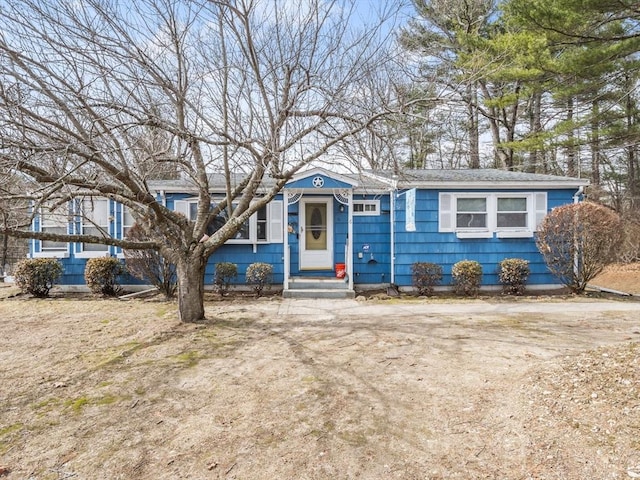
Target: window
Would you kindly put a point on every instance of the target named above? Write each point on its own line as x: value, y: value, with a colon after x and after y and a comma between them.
x: 512, y: 212
x: 366, y: 207
x: 471, y: 213
x: 56, y: 222
x: 261, y: 225
x: 127, y: 221
x: 264, y: 226
x: 94, y: 220
x: 480, y: 215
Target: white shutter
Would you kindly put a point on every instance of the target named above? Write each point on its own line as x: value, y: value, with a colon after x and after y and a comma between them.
x: 181, y: 206
x: 446, y: 213
x: 540, y: 207
x: 276, y: 226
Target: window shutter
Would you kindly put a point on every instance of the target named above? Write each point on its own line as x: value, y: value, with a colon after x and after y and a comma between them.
x: 181, y: 206
x: 276, y: 221
x: 540, y: 207
x: 446, y: 213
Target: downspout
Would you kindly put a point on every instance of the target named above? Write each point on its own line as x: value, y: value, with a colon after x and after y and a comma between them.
x: 392, y: 219
x: 286, y: 254
x: 576, y: 253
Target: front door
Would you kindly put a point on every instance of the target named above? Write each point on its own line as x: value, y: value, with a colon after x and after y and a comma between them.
x: 316, y: 236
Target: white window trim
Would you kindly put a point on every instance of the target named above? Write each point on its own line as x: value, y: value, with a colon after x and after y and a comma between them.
x: 51, y: 254
x: 473, y: 232
x: 447, y: 214
x: 516, y: 232
x: 80, y: 252
x: 122, y: 222
x: 365, y: 213
x: 273, y: 223
x: 120, y: 250
x: 62, y: 252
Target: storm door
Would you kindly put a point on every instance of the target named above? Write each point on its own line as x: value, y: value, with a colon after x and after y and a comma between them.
x: 316, y: 234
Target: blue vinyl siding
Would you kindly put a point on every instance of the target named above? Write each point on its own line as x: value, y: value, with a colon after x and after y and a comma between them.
x: 243, y: 256
x: 426, y: 244
x: 375, y: 232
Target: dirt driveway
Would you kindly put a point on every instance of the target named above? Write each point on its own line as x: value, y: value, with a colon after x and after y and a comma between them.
x: 294, y: 389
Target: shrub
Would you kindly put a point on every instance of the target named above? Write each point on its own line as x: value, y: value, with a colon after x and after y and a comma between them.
x: 259, y: 275
x: 513, y: 274
x: 150, y: 265
x: 37, y: 275
x: 101, y: 275
x: 225, y: 273
x: 578, y: 240
x: 467, y: 275
x: 426, y: 276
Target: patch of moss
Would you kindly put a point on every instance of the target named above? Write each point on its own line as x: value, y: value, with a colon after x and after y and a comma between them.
x: 190, y: 358
x: 46, y: 404
x: 76, y: 404
x: 106, y: 400
x: 9, y: 429
x: 127, y: 350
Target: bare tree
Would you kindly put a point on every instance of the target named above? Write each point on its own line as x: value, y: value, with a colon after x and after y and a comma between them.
x: 96, y: 95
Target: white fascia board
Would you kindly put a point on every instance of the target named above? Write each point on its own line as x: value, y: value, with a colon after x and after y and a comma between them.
x: 370, y: 191
x: 494, y: 185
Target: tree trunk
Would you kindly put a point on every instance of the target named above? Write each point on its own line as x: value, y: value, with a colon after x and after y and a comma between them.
x: 536, y: 162
x: 633, y: 166
x: 595, y: 143
x: 190, y: 272
x: 571, y: 147
x: 473, y: 129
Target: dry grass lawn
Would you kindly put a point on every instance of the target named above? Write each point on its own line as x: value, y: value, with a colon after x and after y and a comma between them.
x: 536, y: 388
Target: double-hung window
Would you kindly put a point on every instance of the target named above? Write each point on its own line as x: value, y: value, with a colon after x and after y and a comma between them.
x: 471, y: 213
x: 481, y: 215
x: 54, y: 222
x: 512, y: 212
x: 93, y: 216
x: 127, y: 221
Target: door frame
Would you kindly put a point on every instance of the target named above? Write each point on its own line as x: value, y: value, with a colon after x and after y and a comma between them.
x: 321, y: 259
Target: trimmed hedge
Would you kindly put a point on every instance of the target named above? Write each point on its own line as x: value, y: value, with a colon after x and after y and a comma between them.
x: 101, y: 275
x: 225, y: 273
x: 513, y: 274
x: 425, y: 276
x: 259, y: 275
x: 467, y: 275
x: 37, y: 275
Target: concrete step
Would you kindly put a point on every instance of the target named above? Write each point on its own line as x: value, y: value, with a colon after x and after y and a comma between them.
x: 307, y: 283
x: 318, y: 293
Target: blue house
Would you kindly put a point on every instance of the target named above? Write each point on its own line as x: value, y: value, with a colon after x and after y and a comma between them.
x: 366, y: 229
